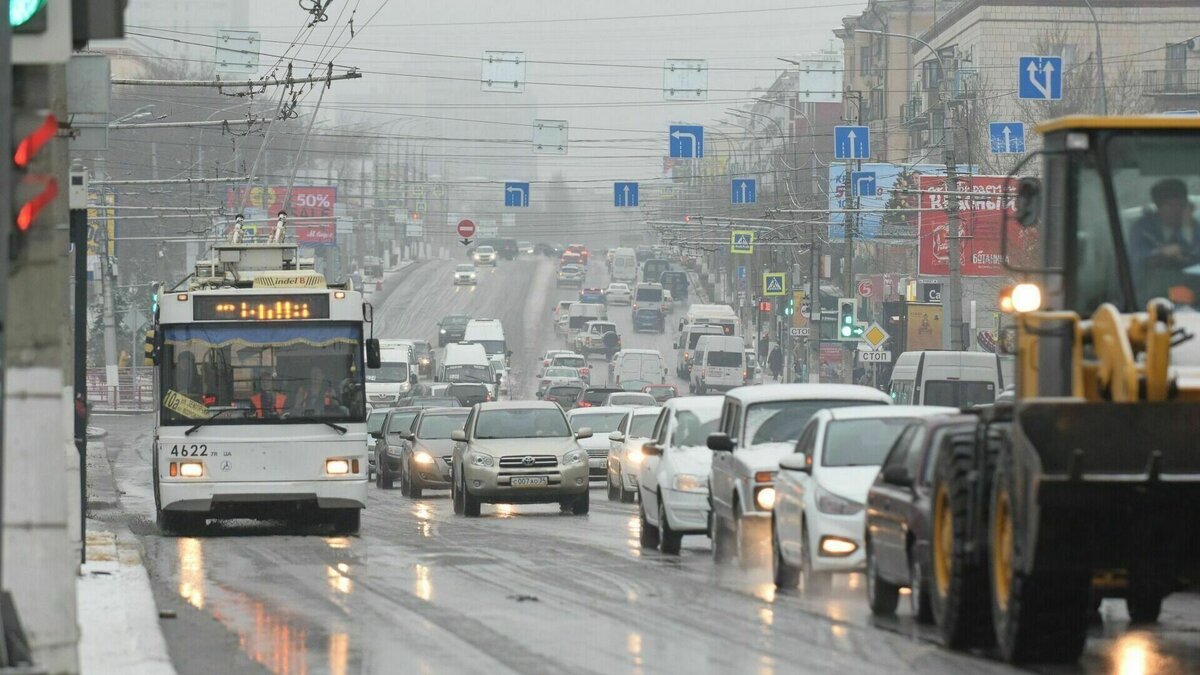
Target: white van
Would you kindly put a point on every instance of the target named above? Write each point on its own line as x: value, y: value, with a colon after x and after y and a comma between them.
x: 489, y: 333
x: 395, y: 377
x: 465, y: 362
x: 955, y: 379
x: 633, y: 369
x: 647, y: 295
x: 625, y: 265
x: 718, y: 364
x: 713, y: 315
x: 685, y: 346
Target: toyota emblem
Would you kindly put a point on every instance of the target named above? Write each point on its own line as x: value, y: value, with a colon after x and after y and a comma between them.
x: 527, y: 460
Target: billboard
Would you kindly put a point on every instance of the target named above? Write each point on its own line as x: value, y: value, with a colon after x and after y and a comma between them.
x: 888, y: 179
x: 306, y: 202
x: 924, y: 327
x: 979, y: 227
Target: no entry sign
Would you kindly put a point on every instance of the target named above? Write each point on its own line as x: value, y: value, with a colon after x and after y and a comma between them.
x: 466, y: 229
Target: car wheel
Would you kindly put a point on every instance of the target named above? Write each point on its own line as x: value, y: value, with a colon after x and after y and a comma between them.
x: 746, y: 540
x: 457, y: 497
x: 404, y: 486
x: 346, y: 521
x: 582, y: 504
x: 670, y: 541
x: 882, y: 595
x: 613, y: 490
x: 918, y: 596
x: 414, y: 490
x: 812, y: 581
x: 627, y: 496
x: 786, y: 576
x: 722, y: 545
x: 649, y: 536
x: 1143, y: 600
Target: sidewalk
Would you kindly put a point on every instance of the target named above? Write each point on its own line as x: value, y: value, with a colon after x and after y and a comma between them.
x: 118, y: 620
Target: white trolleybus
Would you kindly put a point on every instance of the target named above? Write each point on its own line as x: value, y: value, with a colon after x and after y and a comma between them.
x: 260, y: 384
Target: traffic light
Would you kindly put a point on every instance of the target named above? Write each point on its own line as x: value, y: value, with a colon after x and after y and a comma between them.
x: 34, y: 187
x: 764, y: 305
x: 27, y: 16
x: 790, y: 308
x: 847, y: 318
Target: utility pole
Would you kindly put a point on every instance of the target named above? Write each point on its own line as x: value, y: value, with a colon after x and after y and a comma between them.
x: 954, y: 294
x: 850, y: 224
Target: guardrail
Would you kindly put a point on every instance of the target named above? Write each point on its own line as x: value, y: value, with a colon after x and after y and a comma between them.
x: 133, y: 390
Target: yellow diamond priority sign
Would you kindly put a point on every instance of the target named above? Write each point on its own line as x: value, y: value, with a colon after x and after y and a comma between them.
x: 875, y: 336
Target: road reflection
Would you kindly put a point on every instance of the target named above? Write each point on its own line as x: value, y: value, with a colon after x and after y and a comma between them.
x: 633, y: 644
x: 1138, y: 653
x: 191, y: 570
x: 422, y: 584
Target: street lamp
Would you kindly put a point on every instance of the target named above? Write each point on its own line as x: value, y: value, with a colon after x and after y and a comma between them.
x: 1101, y: 94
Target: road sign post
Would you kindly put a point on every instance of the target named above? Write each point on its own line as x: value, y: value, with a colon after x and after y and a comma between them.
x: 625, y: 194
x: 686, y: 141
x: 743, y: 191
x: 1007, y: 137
x: 1040, y: 78
x: 516, y: 194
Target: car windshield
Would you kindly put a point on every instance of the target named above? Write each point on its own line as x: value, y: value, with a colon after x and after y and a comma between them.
x: 860, y: 442
x: 562, y: 372
x: 724, y: 359
x: 260, y: 373
x: 435, y: 402
x: 375, y: 421
x: 642, y: 425
x: 782, y: 421
x: 469, y: 374
x: 959, y: 393
x: 464, y: 268
x: 563, y: 393
x: 490, y: 346
x: 596, y: 396
x: 599, y: 423
x: 486, y: 249
x: 693, y: 427
x: 570, y: 361
x: 439, y: 426
x: 402, y: 421
x: 389, y: 373
x: 463, y: 392
x: 632, y: 399
x: 455, y: 321
x: 522, y: 423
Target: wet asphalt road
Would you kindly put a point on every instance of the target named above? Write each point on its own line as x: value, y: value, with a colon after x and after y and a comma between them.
x: 525, y: 589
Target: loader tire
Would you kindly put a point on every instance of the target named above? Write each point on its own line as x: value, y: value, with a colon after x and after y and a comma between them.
x: 1038, y: 617
x: 959, y: 591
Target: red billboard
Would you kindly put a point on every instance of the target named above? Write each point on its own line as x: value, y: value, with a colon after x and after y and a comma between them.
x: 979, y: 226
x: 306, y: 202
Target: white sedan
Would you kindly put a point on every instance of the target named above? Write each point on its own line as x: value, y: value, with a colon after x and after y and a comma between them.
x: 673, y: 477
x: 818, y: 521
x: 602, y: 421
x: 618, y: 294
x: 625, y: 452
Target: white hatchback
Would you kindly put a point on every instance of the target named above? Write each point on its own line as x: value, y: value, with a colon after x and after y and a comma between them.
x: 625, y: 452
x: 818, y: 521
x: 673, y: 476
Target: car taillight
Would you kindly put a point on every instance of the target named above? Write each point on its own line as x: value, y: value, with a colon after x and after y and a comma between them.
x: 489, y: 397
x: 584, y: 404
x: 208, y: 399
x: 585, y: 371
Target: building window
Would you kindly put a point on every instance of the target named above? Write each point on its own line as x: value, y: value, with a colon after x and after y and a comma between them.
x: 931, y: 74
x: 878, y: 104
x: 864, y: 61
x: 1176, y: 66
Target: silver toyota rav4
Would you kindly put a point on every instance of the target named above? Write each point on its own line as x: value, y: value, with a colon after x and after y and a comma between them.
x: 519, y: 452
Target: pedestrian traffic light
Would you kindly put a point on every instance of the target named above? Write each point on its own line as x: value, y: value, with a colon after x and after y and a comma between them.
x: 847, y: 318
x: 790, y: 308
x: 34, y: 186
x: 764, y: 305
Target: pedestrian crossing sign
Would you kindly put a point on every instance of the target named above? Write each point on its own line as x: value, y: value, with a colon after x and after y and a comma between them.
x: 741, y: 241
x: 774, y: 283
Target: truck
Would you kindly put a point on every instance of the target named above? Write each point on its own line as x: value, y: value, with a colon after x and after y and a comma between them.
x: 260, y: 382
x: 1086, y: 484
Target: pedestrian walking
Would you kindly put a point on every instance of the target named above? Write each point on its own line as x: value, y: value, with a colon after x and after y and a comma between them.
x: 775, y: 362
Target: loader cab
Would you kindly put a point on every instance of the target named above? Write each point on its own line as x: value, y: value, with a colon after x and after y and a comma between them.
x: 1116, y: 216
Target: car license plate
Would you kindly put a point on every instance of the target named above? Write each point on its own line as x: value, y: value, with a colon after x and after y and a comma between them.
x: 530, y: 481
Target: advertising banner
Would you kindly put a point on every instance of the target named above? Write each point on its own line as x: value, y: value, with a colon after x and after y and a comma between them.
x: 306, y: 202
x: 979, y: 227
x: 924, y: 327
x: 889, y: 178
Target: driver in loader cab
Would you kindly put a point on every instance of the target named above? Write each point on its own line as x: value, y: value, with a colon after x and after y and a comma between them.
x: 1164, y: 243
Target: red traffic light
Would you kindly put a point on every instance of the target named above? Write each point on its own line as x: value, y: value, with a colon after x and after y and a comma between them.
x: 764, y: 305
x: 31, y: 208
x: 29, y: 146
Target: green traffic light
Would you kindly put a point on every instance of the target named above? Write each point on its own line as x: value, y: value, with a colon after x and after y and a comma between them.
x: 21, y: 11
x: 846, y: 331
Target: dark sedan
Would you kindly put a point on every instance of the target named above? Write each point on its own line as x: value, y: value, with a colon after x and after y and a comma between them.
x: 399, y: 421
x: 566, y: 395
x: 451, y: 328
x: 425, y: 458
x: 469, y: 393
x: 899, y: 508
x: 592, y: 295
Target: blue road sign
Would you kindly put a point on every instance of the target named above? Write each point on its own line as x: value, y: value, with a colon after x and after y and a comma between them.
x: 741, y: 272
x: 625, y: 194
x: 862, y: 184
x: 774, y: 283
x: 1040, y: 78
x: 741, y: 241
x: 516, y: 194
x: 851, y: 142
x: 743, y: 191
x: 687, y: 141
x: 1007, y: 137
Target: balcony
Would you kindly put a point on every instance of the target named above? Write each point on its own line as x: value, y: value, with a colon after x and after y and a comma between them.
x: 914, y: 111
x: 1171, y: 82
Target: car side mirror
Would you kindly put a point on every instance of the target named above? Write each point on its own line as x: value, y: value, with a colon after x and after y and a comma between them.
x: 652, y: 449
x: 796, y: 462
x: 616, y: 437
x: 897, y: 475
x: 498, y: 378
x: 407, y: 435
x: 412, y: 378
x: 720, y: 441
x: 458, y: 435
x: 584, y: 432
x: 375, y: 434
x: 373, y: 358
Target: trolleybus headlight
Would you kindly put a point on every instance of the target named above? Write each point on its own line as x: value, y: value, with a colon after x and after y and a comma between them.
x: 337, y: 467
x: 191, y: 469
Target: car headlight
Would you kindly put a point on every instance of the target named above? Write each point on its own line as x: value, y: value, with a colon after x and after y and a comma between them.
x: 442, y: 331
x: 575, y: 457
x: 686, y: 482
x: 424, y: 360
x: 635, y: 456
x: 827, y: 502
x: 423, y: 457
x: 764, y: 498
x: 480, y: 459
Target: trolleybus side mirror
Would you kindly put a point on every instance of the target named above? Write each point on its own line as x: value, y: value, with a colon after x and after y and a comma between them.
x: 373, y: 359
